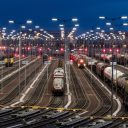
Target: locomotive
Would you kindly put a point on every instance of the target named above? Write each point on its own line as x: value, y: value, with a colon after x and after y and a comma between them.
x: 58, y: 82
x: 78, y: 59
x: 81, y: 62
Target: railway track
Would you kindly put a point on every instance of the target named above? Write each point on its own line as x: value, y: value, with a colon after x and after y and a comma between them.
x: 105, y: 98
x: 45, y: 119
x: 104, y: 108
x: 80, y: 97
x: 14, y: 92
x: 6, y: 70
x: 93, y: 99
x: 37, y: 93
x: 80, y: 104
x: 3, y: 83
x: 57, y: 101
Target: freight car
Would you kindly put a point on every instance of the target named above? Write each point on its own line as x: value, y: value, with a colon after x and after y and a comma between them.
x: 120, y: 80
x: 100, y: 68
x: 9, y: 61
x: 116, y: 74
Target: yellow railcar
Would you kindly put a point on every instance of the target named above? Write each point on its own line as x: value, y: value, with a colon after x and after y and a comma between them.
x: 9, y: 61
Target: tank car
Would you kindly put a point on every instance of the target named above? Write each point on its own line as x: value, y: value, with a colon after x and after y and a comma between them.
x: 103, y: 56
x: 100, y: 68
x: 108, y: 74
x: 98, y: 56
x: 122, y: 83
x: 126, y: 58
x: 108, y: 58
x: 91, y: 63
x: 120, y: 59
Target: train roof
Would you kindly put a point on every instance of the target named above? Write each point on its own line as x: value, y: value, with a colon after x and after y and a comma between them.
x: 59, y: 70
x: 101, y: 64
x: 120, y: 55
x: 58, y: 83
x: 58, y: 73
x: 92, y: 60
x: 58, y: 80
x: 102, y: 55
x: 116, y: 73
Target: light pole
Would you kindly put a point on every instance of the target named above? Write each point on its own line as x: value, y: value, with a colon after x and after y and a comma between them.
x: 111, y: 28
x: 64, y: 22
x: 66, y: 54
x: 20, y: 42
x: 108, y: 24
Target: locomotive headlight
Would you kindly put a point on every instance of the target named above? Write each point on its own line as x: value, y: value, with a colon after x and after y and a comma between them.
x: 81, y: 61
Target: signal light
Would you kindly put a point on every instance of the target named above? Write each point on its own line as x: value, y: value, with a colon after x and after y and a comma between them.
x: 17, y: 49
x: 40, y: 49
x: 62, y: 49
x: 80, y: 49
x: 50, y: 58
x: 49, y: 49
x: 117, y: 50
x: 15, y: 55
x: 104, y: 50
x: 23, y: 55
x: 110, y: 50
x: 86, y: 49
x: 29, y: 48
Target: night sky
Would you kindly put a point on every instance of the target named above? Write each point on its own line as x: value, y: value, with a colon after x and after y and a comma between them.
x: 41, y: 11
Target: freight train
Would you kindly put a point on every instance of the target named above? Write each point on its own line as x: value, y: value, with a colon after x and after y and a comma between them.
x: 120, y: 79
x: 104, y: 70
x: 58, y: 82
x: 120, y: 58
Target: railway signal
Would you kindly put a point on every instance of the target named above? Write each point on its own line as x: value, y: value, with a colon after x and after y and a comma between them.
x: 104, y: 50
